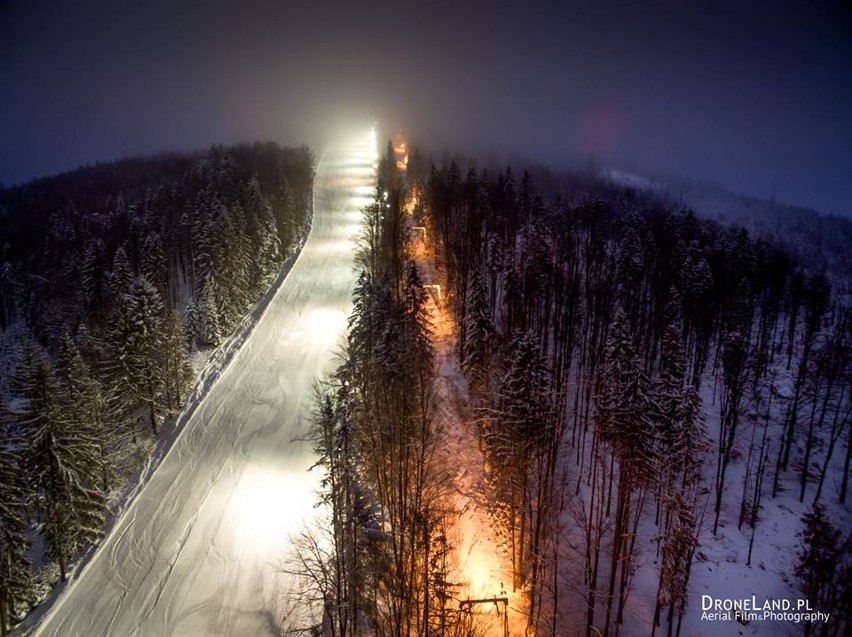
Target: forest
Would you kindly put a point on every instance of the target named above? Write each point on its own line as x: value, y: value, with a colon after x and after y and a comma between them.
x: 649, y: 390
x: 658, y: 405
x: 114, y: 280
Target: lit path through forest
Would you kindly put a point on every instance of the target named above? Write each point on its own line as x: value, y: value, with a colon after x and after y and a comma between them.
x: 196, y: 552
x: 482, y: 565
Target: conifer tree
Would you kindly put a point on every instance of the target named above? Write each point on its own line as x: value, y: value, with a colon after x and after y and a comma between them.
x: 155, y: 267
x: 179, y: 374
x: 816, y: 297
x: 519, y: 437
x: 232, y: 257
x: 624, y: 409
x: 84, y: 409
x: 680, y: 431
x: 121, y: 275
x: 416, y: 323
x: 140, y: 348
x: 679, y: 542
x: 262, y: 232
x: 477, y: 332
x: 209, y: 320
x: 14, y: 562
x: 59, y: 461
x: 355, y: 527
x: 203, y: 239
x: 93, y: 273
x: 824, y: 569
x: 193, y: 326
x: 696, y: 286
x: 734, y: 368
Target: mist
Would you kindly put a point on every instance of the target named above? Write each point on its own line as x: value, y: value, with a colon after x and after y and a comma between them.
x: 752, y: 96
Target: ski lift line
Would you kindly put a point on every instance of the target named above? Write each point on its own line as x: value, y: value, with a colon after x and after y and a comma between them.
x: 436, y: 287
x: 469, y: 603
x: 488, y: 600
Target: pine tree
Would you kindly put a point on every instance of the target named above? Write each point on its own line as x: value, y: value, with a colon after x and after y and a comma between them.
x: 210, y: 323
x: 477, y: 333
x: 678, y: 546
x: 139, y: 348
x: 14, y: 563
x: 418, y: 332
x: 203, y: 240
x: 262, y: 233
x: 824, y: 569
x: 121, y: 276
x: 179, y: 374
x: 518, y: 439
x: 355, y: 526
x: 232, y: 257
x: 679, y: 421
x: 734, y: 368
x: 624, y: 405
x: 696, y: 286
x: 94, y: 269
x: 624, y: 409
x: 59, y: 461
x: 682, y: 443
x: 84, y: 409
x: 155, y: 267
x: 193, y: 326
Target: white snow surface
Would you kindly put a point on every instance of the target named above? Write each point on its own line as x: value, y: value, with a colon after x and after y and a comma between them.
x: 197, y: 551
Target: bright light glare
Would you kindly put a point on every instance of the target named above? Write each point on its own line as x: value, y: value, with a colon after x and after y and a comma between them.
x: 480, y: 565
x: 325, y: 324
x: 268, y: 506
x: 338, y: 247
x: 363, y: 158
x: 357, y: 171
x: 360, y: 202
x: 480, y: 574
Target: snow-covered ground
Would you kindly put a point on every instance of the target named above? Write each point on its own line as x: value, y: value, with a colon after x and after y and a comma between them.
x: 197, y: 550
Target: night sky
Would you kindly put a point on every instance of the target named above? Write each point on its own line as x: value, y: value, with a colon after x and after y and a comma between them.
x: 754, y: 96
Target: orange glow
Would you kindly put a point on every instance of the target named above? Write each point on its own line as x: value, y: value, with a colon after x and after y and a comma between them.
x: 418, y: 233
x: 435, y: 289
x: 400, y: 151
x: 411, y: 204
x: 480, y: 567
x: 480, y: 562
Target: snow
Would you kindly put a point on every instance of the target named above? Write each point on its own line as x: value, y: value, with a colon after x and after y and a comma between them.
x: 630, y: 180
x: 196, y: 551
x: 719, y: 568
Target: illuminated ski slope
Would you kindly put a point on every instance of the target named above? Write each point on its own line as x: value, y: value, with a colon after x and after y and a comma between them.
x: 196, y: 552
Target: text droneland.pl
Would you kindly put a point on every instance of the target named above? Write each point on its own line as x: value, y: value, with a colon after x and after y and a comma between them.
x: 750, y: 609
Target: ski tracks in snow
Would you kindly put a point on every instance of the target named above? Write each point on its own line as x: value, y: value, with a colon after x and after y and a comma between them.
x: 195, y: 549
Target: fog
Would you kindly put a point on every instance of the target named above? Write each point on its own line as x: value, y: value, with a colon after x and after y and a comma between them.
x: 752, y: 96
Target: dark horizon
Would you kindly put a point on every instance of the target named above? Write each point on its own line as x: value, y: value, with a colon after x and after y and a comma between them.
x: 752, y: 97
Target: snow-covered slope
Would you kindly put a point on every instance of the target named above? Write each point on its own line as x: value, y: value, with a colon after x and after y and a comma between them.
x: 196, y: 552
x: 818, y: 240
